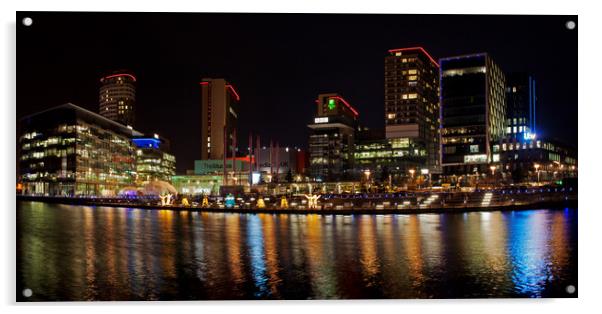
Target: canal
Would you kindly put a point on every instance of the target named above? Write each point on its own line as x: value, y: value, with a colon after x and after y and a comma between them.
x: 67, y: 252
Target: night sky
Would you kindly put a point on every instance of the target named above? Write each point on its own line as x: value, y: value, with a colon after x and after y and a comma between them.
x: 278, y: 63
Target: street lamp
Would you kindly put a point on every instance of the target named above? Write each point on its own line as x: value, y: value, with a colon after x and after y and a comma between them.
x: 536, y: 166
x: 492, y: 170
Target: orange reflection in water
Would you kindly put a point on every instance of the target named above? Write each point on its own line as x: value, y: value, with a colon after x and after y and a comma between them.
x: 233, y: 241
x: 323, y: 276
x: 90, y: 253
x: 368, y: 260
x: 414, y: 250
x: 495, y: 236
x: 168, y: 243
x: 110, y: 246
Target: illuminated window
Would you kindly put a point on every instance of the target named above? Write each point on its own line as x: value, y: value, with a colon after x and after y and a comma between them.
x: 508, y: 130
x: 412, y: 77
x: 513, y: 129
x: 413, y: 96
x: 391, y: 116
x: 412, y: 71
x: 404, y: 96
x: 504, y: 146
x: 474, y: 148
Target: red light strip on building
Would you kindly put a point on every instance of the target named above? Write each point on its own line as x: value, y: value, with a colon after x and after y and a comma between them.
x: 122, y: 74
x: 233, y: 91
x: 245, y: 159
x: 204, y: 83
x: 416, y: 48
x: 346, y: 104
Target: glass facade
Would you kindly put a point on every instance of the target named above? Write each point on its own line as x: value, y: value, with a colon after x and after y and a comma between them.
x: 472, y: 111
x: 521, y: 106
x: 412, y: 100
x: 152, y: 161
x: 69, y: 151
x: 117, y: 97
x: 331, y: 142
x: 384, y: 157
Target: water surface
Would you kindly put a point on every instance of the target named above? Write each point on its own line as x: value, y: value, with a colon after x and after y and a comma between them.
x: 69, y: 252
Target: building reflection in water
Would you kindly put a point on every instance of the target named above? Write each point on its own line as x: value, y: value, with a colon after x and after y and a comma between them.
x: 99, y: 253
x: 530, y: 250
x: 255, y: 244
x: 271, y: 253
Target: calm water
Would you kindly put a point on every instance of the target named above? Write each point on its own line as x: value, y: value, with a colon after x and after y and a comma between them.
x: 101, y: 253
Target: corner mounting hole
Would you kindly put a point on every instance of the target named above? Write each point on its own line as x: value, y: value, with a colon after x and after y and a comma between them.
x: 570, y: 25
x: 27, y: 21
x: 570, y: 289
x: 27, y: 292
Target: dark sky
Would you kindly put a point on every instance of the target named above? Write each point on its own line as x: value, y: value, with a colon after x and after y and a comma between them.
x: 278, y: 64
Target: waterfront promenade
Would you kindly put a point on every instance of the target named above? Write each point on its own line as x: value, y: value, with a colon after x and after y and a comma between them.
x: 362, y: 203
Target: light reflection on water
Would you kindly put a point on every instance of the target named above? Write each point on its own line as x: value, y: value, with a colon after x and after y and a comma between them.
x: 101, y: 253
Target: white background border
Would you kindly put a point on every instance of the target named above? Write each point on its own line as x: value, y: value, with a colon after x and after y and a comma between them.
x: 590, y: 104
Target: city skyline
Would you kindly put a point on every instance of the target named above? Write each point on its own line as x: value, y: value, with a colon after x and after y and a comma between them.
x: 350, y: 62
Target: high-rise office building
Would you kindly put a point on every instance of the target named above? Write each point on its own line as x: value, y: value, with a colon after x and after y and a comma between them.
x: 117, y: 97
x: 520, y: 106
x: 473, y: 113
x: 332, y: 138
x: 219, y: 115
x: 412, y: 101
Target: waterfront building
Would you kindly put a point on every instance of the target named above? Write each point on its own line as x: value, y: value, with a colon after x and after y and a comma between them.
x: 117, y: 97
x: 412, y: 101
x: 153, y: 160
x: 219, y: 116
x: 70, y: 151
x: 276, y: 164
x: 522, y: 161
x: 384, y: 159
x: 473, y: 113
x: 193, y: 185
x: 331, y: 142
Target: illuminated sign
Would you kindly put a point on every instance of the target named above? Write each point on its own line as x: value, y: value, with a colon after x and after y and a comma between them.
x: 529, y: 136
x: 321, y: 120
x: 331, y: 104
x: 471, y: 159
x: 147, y: 142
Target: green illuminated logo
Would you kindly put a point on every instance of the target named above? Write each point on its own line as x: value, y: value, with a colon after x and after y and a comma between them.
x: 331, y: 104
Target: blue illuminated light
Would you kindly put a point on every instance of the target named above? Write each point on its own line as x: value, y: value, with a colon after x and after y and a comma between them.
x: 529, y: 136
x: 146, y: 142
